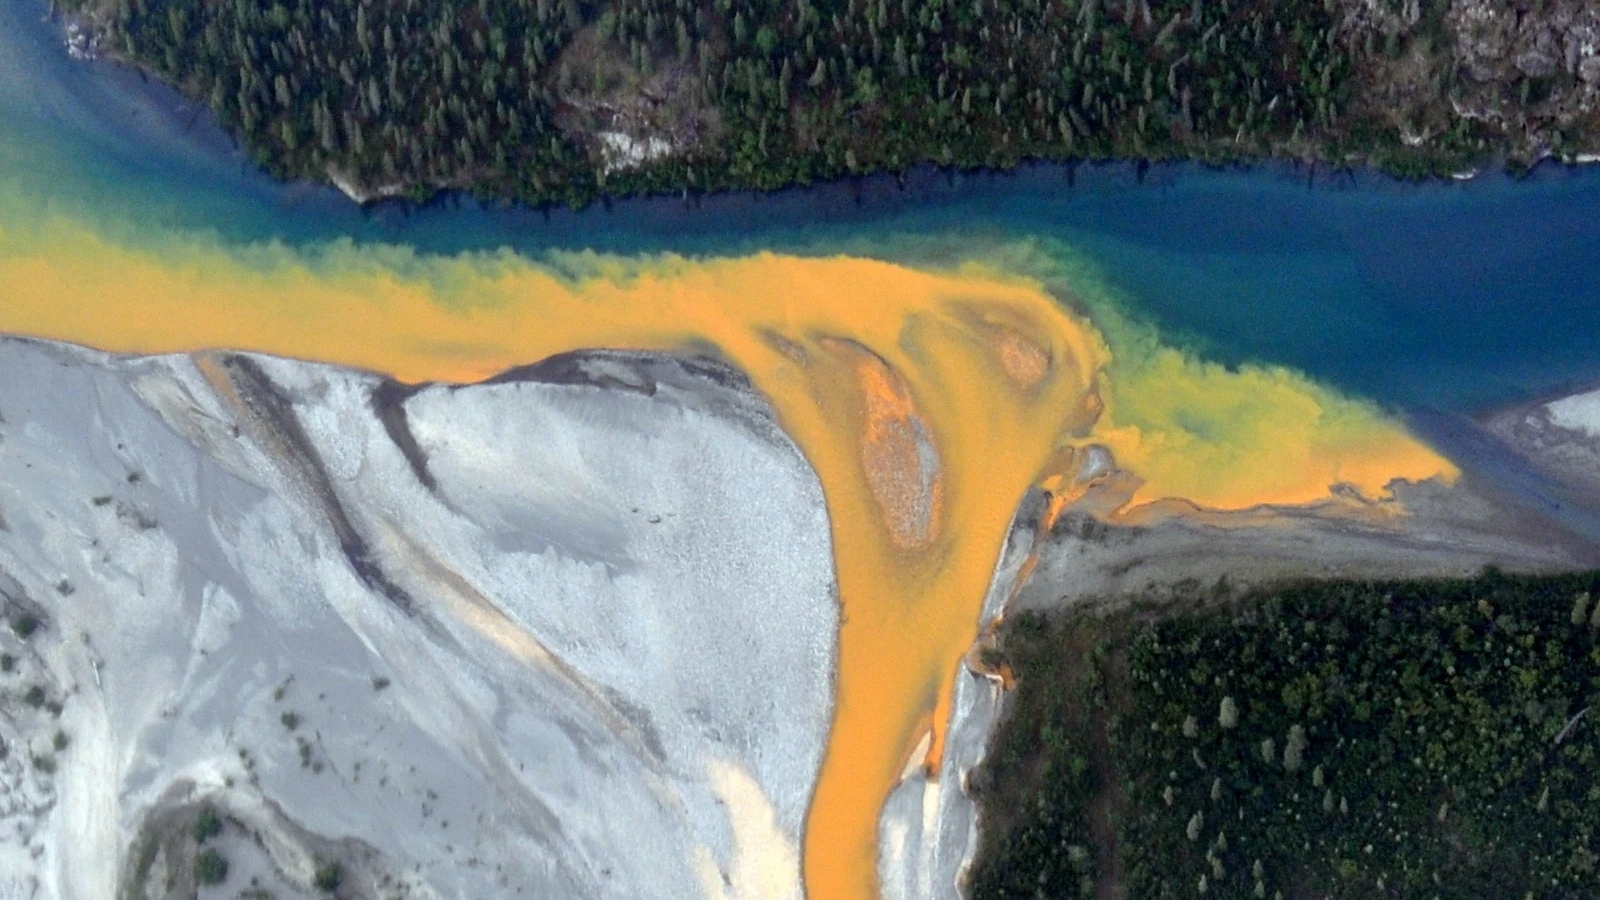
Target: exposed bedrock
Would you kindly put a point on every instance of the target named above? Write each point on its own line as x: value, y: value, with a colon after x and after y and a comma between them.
x: 569, y: 634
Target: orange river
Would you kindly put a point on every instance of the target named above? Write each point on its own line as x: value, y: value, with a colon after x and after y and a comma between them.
x: 927, y: 402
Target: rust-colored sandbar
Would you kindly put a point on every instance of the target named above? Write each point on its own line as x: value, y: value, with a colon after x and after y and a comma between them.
x: 926, y: 402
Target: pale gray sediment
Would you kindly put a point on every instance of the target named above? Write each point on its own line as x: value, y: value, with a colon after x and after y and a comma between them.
x: 1502, y: 511
x: 611, y: 674
x: 1557, y: 443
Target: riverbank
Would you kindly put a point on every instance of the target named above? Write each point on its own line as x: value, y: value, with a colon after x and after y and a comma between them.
x: 527, y: 104
x: 1526, y: 500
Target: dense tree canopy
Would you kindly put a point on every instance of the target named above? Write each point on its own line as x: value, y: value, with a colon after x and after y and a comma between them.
x: 1342, y: 739
x: 561, y: 100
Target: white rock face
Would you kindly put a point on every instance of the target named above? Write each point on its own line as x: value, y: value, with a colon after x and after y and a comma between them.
x: 566, y: 636
x: 1560, y: 438
x: 1580, y: 412
x: 623, y: 151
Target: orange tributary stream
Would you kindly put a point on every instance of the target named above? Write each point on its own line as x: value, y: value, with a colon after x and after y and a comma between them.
x: 927, y: 404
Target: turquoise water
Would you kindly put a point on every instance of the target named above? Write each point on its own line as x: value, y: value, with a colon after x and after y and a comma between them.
x: 1446, y: 296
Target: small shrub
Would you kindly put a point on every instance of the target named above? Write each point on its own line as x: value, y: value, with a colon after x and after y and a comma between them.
x: 207, y: 825
x: 210, y: 867
x: 23, y: 626
x: 45, y: 764
x: 61, y: 741
x: 34, y: 696
x: 329, y: 876
x: 379, y: 683
x: 290, y: 720
x: 8, y: 663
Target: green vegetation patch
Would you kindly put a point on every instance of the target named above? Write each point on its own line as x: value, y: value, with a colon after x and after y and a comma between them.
x: 1338, y: 739
x: 329, y: 875
x: 207, y: 825
x: 210, y: 867
x: 24, y: 625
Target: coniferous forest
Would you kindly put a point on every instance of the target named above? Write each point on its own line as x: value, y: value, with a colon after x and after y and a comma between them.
x: 1429, y: 739
x: 566, y: 100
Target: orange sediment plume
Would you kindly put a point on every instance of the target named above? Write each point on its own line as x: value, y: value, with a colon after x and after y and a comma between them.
x: 927, y: 404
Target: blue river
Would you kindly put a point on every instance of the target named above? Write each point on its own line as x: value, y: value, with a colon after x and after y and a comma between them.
x: 1445, y: 296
